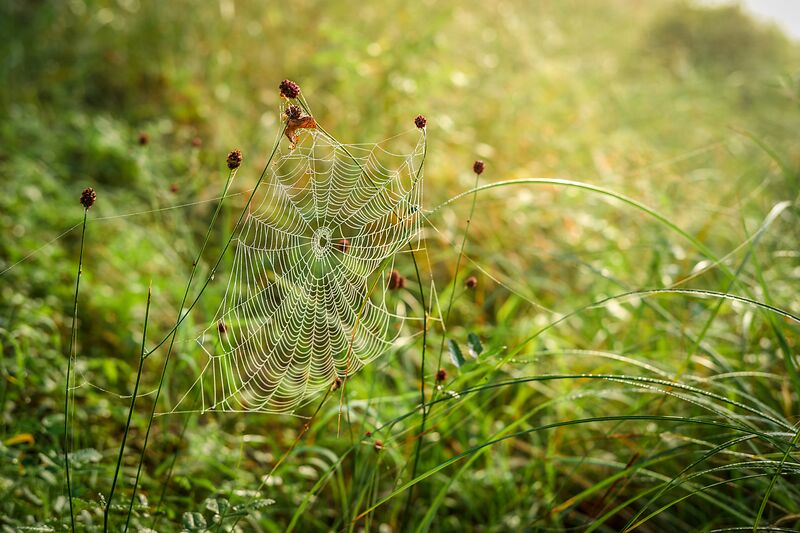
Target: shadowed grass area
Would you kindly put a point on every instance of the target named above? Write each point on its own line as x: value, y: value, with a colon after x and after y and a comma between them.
x: 626, y: 361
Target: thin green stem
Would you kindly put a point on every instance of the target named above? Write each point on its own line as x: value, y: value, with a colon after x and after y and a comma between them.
x: 70, y: 356
x: 168, y: 477
x: 306, y: 428
x: 421, y: 379
x: 183, y: 314
x: 130, y: 415
x: 195, y: 264
x: 774, y: 478
x: 455, y: 275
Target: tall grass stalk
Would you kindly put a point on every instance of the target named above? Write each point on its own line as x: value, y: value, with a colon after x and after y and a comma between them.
x: 182, y: 314
x: 421, y: 377
x: 130, y: 415
x: 70, y: 357
x: 425, y: 412
x: 195, y: 264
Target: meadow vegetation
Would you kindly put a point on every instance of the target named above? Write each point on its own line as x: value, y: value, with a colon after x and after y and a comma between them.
x: 630, y: 349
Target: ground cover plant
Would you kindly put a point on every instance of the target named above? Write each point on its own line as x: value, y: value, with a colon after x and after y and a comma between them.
x: 480, y: 266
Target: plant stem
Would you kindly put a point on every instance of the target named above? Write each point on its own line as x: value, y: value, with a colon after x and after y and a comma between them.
x: 455, y: 275
x: 130, y: 415
x: 183, y: 314
x: 70, y: 356
x: 421, y: 378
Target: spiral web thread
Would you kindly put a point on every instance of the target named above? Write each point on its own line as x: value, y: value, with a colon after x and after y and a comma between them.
x: 307, y: 300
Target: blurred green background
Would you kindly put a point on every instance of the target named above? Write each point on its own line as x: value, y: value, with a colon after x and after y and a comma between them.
x: 691, y: 110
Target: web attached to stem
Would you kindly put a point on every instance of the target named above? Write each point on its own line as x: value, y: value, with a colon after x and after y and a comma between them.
x: 307, y: 300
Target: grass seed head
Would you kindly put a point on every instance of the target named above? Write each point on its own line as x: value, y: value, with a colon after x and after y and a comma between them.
x: 289, y: 89
x: 234, y: 159
x: 343, y: 245
x: 396, y: 280
x: 88, y: 197
x: 294, y: 112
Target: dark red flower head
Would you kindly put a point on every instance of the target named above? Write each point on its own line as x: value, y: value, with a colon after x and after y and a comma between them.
x: 420, y: 121
x: 144, y: 138
x: 234, y: 159
x: 471, y: 282
x: 396, y: 280
x: 441, y: 375
x: 478, y: 167
x: 289, y: 89
x: 294, y: 112
x: 88, y: 197
x: 343, y: 245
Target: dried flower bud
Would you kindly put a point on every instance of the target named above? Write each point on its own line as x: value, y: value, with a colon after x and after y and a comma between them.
x: 378, y: 445
x: 336, y: 384
x: 441, y: 375
x: 294, y: 112
x: 197, y: 142
x: 88, y: 197
x: 234, y: 159
x: 368, y: 434
x: 420, y: 121
x: 221, y: 327
x: 471, y: 282
x: 343, y: 245
x: 478, y: 167
x: 173, y: 188
x: 289, y: 89
x: 396, y: 280
x: 143, y: 138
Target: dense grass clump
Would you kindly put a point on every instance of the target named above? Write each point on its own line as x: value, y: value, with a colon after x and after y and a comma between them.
x: 606, y: 325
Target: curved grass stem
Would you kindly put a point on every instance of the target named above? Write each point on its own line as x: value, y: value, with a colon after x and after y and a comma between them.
x: 70, y: 357
x: 130, y: 415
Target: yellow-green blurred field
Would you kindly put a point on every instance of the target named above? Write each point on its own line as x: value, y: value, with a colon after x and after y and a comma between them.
x: 654, y: 151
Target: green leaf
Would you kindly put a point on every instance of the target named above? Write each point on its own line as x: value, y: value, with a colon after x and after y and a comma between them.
x: 455, y: 353
x: 474, y: 344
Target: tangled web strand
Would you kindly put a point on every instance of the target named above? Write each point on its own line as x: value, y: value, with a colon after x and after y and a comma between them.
x: 305, y: 302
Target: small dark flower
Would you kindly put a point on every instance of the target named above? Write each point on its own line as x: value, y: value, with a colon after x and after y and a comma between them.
x: 221, y: 327
x: 144, y: 138
x: 420, y: 121
x: 336, y: 384
x: 378, y: 445
x: 197, y: 142
x: 368, y: 434
x: 88, y: 196
x: 478, y: 167
x: 234, y: 159
x: 343, y: 245
x: 441, y: 375
x: 289, y: 89
x: 471, y: 282
x: 294, y: 112
x: 173, y: 188
x: 396, y: 280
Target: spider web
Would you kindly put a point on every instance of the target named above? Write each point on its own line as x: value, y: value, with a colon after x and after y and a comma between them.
x: 307, y: 300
